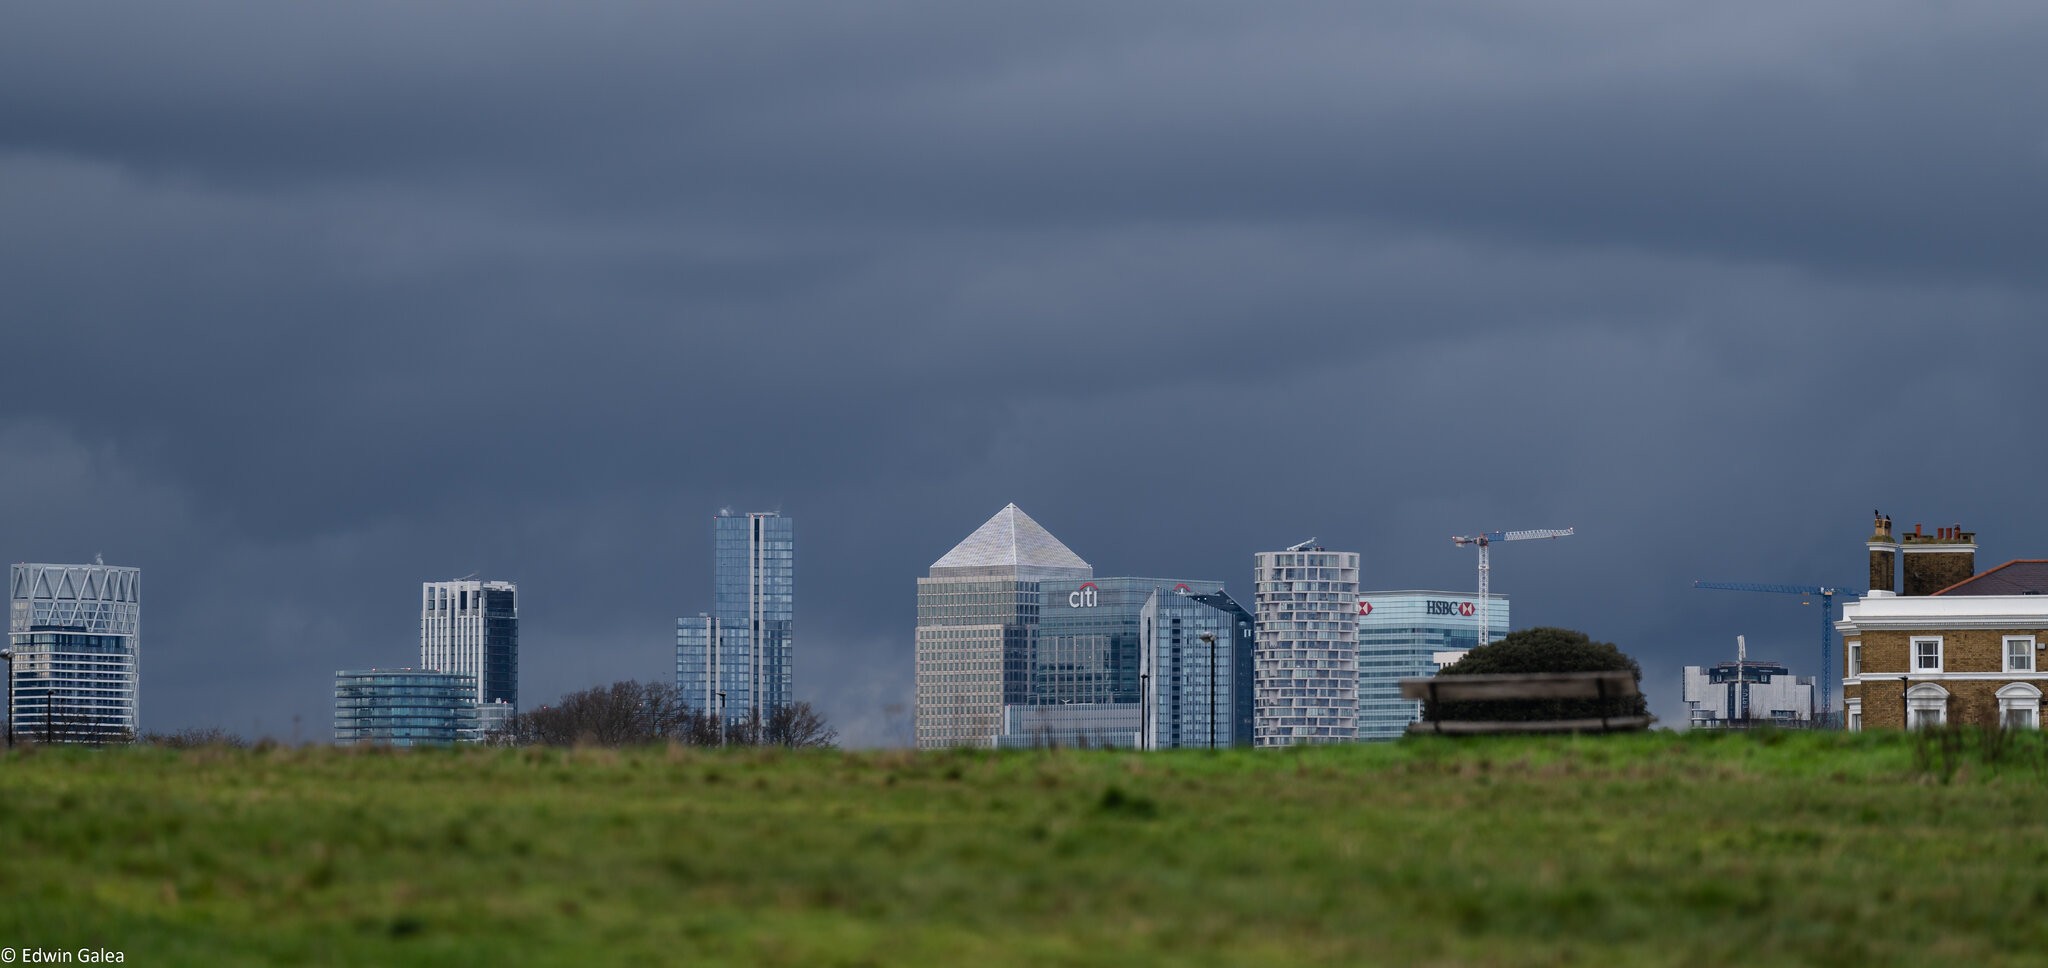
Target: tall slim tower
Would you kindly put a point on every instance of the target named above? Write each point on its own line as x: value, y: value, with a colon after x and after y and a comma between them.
x: 75, y: 637
x: 1305, y: 652
x: 744, y: 647
x: 977, y: 618
x: 471, y: 627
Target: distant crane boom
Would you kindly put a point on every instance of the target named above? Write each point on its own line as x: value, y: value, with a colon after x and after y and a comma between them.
x: 1827, y: 628
x: 1485, y: 540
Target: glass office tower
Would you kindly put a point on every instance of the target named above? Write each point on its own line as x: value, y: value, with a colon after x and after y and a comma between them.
x: 75, y: 649
x: 404, y: 707
x: 471, y: 628
x: 1403, y: 634
x: 1091, y: 634
x: 1305, y: 655
x: 1194, y: 669
x: 739, y: 658
x: 977, y: 618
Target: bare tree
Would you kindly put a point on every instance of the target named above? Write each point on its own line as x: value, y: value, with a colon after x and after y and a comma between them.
x: 633, y: 713
x: 798, y: 725
x: 196, y: 737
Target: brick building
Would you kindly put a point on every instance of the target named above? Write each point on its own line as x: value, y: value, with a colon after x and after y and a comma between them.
x: 1936, y: 643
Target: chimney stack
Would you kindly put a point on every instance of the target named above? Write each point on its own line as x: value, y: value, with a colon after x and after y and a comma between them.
x: 1934, y: 562
x: 1884, y: 556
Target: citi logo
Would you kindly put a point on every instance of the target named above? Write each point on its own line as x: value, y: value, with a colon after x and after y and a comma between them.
x: 1082, y: 597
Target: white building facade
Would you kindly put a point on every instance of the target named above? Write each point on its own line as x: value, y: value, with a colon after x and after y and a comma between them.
x: 1305, y: 647
x: 75, y: 651
x: 1737, y: 695
x: 471, y: 628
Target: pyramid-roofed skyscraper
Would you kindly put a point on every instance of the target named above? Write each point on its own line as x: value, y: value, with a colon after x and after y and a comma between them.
x: 1012, y: 543
x: 977, y: 613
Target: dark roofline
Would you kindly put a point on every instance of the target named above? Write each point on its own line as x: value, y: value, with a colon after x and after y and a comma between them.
x: 1987, y: 573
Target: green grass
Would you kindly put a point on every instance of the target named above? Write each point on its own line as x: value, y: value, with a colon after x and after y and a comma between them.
x: 1648, y: 849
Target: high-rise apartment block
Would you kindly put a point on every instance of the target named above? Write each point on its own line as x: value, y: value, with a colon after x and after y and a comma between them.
x: 1408, y: 634
x: 471, y: 628
x: 739, y: 658
x: 977, y: 618
x: 75, y: 651
x: 1305, y: 655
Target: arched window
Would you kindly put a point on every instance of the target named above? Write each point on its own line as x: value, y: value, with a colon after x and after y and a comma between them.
x: 2019, y: 706
x: 1926, y: 706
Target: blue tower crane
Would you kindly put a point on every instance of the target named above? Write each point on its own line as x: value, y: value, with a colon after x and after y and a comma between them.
x: 1827, y: 629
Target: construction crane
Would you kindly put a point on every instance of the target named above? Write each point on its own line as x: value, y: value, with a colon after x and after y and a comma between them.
x: 1485, y: 540
x: 1827, y: 628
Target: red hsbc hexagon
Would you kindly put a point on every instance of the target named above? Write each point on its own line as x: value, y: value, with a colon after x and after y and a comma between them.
x: 1365, y: 608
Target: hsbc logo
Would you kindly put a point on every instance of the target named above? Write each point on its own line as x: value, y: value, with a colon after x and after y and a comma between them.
x: 1364, y: 608
x: 1082, y: 597
x: 1466, y: 609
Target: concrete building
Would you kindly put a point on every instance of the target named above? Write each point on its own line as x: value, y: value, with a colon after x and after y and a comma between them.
x: 1412, y: 634
x: 740, y: 657
x: 1305, y: 651
x: 1739, y: 695
x: 404, y: 707
x: 471, y: 628
x: 74, y: 653
x: 977, y: 622
x: 1917, y: 652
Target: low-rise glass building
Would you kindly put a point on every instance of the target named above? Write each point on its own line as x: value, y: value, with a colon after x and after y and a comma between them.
x: 1412, y: 634
x: 404, y: 707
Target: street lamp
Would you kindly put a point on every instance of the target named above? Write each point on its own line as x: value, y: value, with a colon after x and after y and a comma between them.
x: 1144, y: 703
x: 721, y: 719
x: 7, y: 655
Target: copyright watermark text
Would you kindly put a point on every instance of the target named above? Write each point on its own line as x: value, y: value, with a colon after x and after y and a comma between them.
x: 61, y: 956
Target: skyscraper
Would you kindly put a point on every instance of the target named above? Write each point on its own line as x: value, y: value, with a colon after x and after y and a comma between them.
x: 977, y: 617
x: 75, y: 642
x: 1404, y: 634
x: 744, y: 647
x: 471, y: 627
x: 1195, y: 662
x: 1305, y: 654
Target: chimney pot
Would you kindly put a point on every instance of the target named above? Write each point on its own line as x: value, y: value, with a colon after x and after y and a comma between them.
x: 1916, y: 529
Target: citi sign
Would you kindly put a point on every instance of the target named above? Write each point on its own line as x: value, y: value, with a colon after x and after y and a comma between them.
x: 1466, y: 609
x: 1082, y: 597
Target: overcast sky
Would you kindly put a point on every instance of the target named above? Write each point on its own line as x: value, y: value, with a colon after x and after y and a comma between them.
x: 305, y: 304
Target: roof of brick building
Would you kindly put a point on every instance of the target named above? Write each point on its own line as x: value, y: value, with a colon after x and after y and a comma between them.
x: 2021, y: 576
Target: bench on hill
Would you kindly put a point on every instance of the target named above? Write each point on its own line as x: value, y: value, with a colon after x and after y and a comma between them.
x: 1533, y: 685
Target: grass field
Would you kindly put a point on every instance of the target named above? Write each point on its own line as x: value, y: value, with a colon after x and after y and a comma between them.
x: 1646, y: 849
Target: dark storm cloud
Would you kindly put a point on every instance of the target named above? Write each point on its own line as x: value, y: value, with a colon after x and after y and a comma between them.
x: 303, y: 306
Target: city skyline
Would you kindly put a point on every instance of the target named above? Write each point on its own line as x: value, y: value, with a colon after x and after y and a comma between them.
x: 1639, y: 270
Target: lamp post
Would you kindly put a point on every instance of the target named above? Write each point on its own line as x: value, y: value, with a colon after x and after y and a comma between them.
x: 721, y: 718
x: 1144, y: 704
x: 7, y: 655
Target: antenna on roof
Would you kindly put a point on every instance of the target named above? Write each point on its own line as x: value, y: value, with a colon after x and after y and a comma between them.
x: 97, y: 560
x: 1304, y: 546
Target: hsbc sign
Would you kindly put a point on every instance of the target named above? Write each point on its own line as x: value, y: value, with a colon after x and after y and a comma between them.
x: 1466, y: 609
